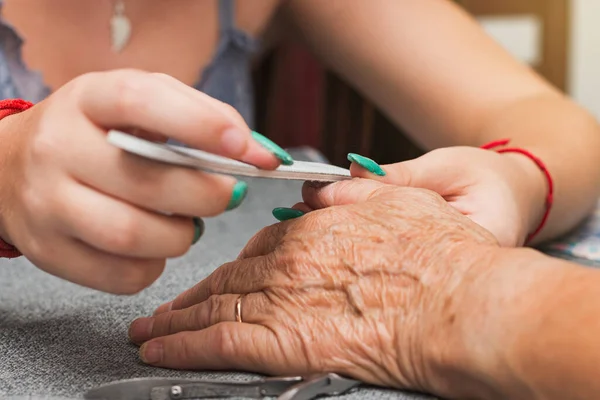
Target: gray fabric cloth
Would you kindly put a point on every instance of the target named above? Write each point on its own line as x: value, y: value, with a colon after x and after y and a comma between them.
x: 58, y: 339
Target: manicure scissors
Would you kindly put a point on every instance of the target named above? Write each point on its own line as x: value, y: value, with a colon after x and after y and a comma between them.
x: 284, y: 388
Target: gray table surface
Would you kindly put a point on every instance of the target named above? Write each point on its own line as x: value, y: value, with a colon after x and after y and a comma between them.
x: 58, y: 339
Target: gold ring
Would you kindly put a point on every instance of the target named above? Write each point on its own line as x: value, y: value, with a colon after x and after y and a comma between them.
x: 238, y: 308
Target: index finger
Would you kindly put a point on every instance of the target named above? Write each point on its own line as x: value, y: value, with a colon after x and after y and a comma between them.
x: 143, y: 100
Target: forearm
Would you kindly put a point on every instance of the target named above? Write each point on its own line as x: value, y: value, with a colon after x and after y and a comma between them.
x: 538, y: 319
x: 559, y: 355
x: 567, y: 140
x: 455, y: 86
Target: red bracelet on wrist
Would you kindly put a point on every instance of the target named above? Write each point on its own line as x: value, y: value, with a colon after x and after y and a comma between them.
x: 541, y: 166
x: 10, y: 107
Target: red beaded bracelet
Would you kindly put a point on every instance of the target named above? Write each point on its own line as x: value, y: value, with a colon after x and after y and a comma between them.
x: 10, y: 107
x: 541, y: 165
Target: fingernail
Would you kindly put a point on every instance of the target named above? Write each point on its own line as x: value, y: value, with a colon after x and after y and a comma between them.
x: 366, y: 163
x: 284, y: 156
x: 151, y: 352
x: 140, y: 329
x: 198, y: 229
x: 317, y: 184
x: 239, y: 194
x: 163, y: 308
x: 283, y: 213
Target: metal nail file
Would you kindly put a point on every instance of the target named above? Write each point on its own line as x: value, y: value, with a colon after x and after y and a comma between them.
x: 187, y: 157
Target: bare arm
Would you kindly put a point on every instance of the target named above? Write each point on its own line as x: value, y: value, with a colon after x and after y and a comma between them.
x: 433, y: 70
x: 539, y: 315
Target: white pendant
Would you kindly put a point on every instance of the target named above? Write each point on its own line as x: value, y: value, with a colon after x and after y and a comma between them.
x: 120, y: 28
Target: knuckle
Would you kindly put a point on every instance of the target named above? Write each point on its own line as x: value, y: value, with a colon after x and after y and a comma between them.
x: 183, y: 243
x: 81, y: 84
x: 162, y: 325
x: 132, y: 92
x: 33, y: 201
x: 404, y: 174
x: 122, y: 234
x: 259, y: 243
x: 180, y: 248
x: 134, y: 279
x: 181, y: 300
x: 228, y: 109
x: 184, y: 350
x: 163, y: 76
x: 231, y: 112
x: 166, y: 326
x: 81, y: 81
x: 212, y: 311
x: 297, y: 270
x: 43, y: 147
x: 217, y: 280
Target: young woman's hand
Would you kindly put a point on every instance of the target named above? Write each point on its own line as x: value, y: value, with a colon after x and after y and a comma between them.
x: 85, y: 211
x: 504, y: 193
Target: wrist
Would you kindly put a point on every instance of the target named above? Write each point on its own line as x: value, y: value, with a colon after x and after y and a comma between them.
x: 491, y: 310
x: 526, y: 196
x: 532, y: 191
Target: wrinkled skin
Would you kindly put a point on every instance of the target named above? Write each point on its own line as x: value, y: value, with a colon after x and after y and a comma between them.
x: 372, y: 289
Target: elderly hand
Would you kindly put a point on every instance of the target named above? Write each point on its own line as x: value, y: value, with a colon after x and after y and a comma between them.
x: 504, y: 193
x: 375, y: 289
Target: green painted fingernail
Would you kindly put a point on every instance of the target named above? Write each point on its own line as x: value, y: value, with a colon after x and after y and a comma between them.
x: 239, y: 194
x: 198, y: 229
x: 283, y: 213
x: 366, y: 163
x: 284, y: 156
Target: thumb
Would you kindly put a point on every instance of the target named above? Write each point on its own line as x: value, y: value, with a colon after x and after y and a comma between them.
x: 317, y: 195
x: 431, y: 171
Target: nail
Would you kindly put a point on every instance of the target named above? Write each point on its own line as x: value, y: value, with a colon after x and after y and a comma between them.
x: 141, y: 329
x: 366, y: 163
x: 317, y: 184
x: 151, y: 352
x: 163, y: 308
x: 284, y: 156
x: 198, y: 229
x: 283, y: 213
x: 239, y: 194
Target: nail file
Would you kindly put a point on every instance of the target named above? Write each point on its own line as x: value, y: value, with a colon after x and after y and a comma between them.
x: 186, y: 157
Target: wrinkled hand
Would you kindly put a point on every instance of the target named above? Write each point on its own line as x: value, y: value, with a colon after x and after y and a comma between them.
x: 371, y: 290
x: 504, y: 193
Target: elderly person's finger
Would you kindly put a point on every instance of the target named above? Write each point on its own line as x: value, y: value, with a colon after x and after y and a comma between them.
x: 237, y: 277
x: 341, y: 193
x: 228, y: 345
x: 252, y: 308
x: 264, y: 242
